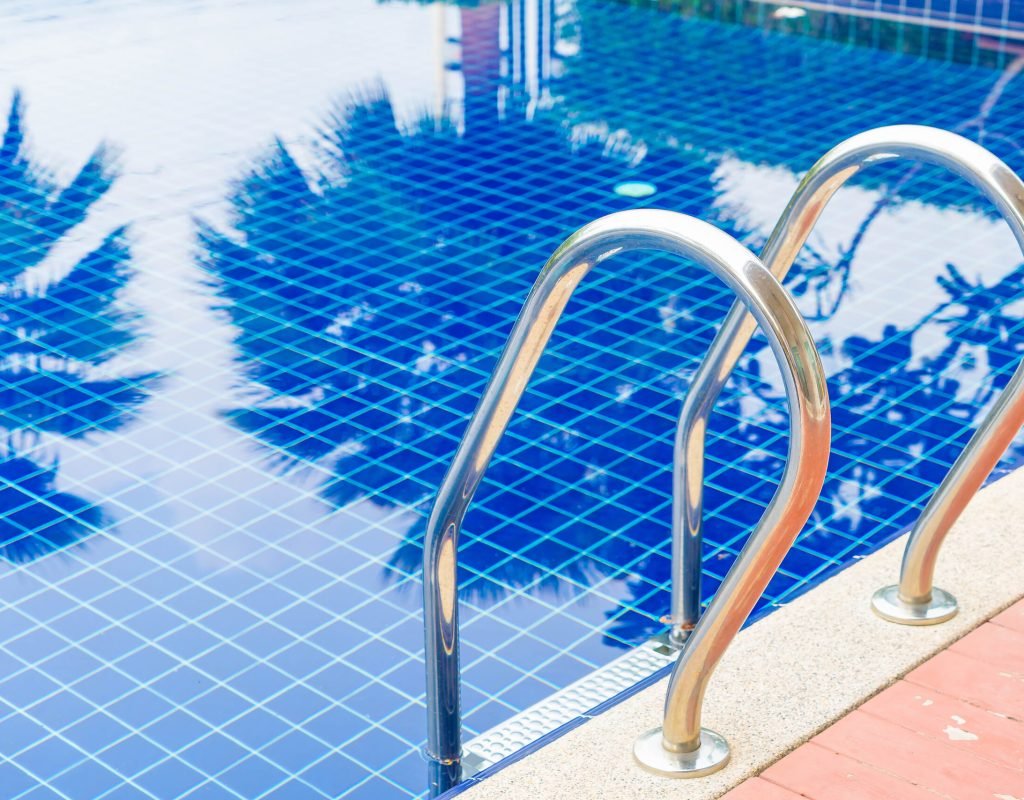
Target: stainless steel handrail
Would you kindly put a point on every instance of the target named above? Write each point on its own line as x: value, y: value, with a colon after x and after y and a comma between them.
x: 915, y: 600
x: 680, y: 748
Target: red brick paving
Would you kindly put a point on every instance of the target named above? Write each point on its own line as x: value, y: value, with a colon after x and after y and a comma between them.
x: 823, y: 774
x: 1012, y: 618
x: 953, y: 728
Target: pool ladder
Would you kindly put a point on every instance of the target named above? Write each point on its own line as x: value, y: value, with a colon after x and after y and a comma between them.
x: 681, y: 747
x: 914, y: 600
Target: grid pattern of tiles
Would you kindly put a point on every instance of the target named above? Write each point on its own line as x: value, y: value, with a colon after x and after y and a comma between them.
x: 992, y: 16
x: 245, y: 460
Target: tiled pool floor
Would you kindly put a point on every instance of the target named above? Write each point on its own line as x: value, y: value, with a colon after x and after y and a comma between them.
x: 243, y: 340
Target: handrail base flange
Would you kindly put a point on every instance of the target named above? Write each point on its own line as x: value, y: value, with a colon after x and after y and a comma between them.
x: 712, y: 755
x: 441, y: 776
x: 887, y: 604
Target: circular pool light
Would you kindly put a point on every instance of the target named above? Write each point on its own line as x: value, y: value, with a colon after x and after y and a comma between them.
x: 635, y: 189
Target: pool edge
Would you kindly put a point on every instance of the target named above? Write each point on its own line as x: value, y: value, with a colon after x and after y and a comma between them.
x: 821, y: 655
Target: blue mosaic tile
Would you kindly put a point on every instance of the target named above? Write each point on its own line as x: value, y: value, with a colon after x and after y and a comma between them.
x: 995, y: 15
x: 243, y: 337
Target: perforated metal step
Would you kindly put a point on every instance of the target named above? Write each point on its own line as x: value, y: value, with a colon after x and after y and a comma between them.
x: 575, y: 700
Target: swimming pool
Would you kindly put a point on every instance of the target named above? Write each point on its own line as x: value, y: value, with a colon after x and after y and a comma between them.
x: 243, y: 341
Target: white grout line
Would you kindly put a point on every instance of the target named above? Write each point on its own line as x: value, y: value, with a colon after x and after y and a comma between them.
x: 793, y: 673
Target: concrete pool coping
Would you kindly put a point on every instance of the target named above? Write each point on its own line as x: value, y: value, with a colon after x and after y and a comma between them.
x: 793, y: 673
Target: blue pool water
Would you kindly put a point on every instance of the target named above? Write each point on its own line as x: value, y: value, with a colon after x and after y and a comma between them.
x: 257, y: 261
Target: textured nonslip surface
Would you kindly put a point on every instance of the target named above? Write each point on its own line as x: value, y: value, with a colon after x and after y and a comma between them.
x: 241, y: 338
x: 566, y: 705
x: 953, y: 727
x: 788, y: 677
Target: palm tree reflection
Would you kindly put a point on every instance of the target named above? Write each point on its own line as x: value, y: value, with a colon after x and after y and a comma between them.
x: 56, y: 342
x: 900, y: 420
x: 372, y: 294
x: 372, y: 298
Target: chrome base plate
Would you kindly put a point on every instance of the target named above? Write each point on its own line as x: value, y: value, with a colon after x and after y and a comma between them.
x: 711, y: 756
x: 887, y: 604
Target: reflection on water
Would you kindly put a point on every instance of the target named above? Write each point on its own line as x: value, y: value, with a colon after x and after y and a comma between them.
x: 372, y: 292
x: 372, y: 297
x: 59, y: 332
x: 366, y: 270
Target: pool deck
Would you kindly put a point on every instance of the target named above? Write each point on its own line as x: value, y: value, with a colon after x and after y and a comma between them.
x: 952, y: 727
x: 808, y: 679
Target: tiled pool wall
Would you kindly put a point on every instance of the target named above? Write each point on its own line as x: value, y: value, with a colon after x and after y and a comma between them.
x: 244, y: 338
x: 976, y: 32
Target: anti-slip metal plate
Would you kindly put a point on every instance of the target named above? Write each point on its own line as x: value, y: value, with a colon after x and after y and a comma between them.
x: 566, y: 705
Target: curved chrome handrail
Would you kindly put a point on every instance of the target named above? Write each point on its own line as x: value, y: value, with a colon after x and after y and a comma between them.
x: 789, y: 509
x: 915, y: 600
